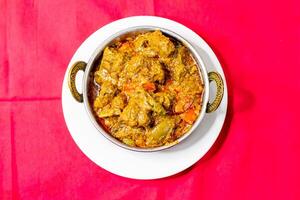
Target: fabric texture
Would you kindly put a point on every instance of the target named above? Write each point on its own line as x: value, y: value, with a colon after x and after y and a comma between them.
x: 257, y: 153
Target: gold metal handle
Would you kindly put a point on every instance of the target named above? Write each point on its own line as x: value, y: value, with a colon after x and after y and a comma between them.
x: 80, y: 65
x: 214, y: 76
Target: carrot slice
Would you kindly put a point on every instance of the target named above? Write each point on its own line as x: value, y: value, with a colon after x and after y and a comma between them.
x: 128, y: 88
x: 189, y: 116
x: 149, y: 86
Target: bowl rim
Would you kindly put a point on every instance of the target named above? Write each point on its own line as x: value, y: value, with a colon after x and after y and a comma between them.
x: 98, y: 51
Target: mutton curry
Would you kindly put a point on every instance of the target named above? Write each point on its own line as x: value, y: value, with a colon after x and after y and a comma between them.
x: 150, y: 90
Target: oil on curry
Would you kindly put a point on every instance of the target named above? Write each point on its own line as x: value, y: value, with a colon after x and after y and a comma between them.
x: 150, y: 90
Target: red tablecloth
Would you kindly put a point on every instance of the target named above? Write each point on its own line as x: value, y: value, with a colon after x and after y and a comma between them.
x: 257, y: 155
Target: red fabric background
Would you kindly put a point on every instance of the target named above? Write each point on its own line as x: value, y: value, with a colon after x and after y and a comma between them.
x: 257, y: 155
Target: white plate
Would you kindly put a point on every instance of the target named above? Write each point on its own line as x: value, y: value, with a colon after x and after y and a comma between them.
x: 142, y: 165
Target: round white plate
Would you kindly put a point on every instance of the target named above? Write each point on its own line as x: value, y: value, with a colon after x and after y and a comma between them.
x: 142, y: 165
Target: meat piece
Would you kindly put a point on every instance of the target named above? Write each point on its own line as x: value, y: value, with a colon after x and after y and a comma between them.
x: 161, y: 131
